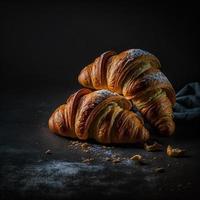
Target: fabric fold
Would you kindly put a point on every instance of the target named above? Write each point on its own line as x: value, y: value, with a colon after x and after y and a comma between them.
x: 187, y: 105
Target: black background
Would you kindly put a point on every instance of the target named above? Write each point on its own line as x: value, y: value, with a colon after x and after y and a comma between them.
x: 48, y: 43
x: 43, y: 47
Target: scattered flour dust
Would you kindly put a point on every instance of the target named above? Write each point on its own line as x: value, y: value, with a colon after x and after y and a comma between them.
x: 54, y: 174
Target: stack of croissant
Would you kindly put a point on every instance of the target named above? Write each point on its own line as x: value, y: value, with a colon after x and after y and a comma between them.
x: 113, y: 85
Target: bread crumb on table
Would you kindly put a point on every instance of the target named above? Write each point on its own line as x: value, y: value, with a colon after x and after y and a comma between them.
x: 136, y: 157
x: 84, y: 145
x: 159, y: 170
x: 116, y: 160
x: 175, y: 152
x: 48, y: 151
x: 153, y: 147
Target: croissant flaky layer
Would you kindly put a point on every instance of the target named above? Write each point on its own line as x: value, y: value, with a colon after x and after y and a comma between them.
x: 135, y: 74
x: 101, y: 115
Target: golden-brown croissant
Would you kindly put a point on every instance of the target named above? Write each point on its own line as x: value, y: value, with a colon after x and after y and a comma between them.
x: 102, y: 115
x: 135, y: 74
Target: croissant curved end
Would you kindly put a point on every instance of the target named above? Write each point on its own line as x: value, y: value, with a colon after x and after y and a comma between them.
x: 50, y: 124
x: 146, y: 135
x: 84, y: 78
x: 56, y: 123
x: 167, y: 129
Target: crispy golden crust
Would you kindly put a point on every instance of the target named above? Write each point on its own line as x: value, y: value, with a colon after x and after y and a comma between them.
x: 59, y: 123
x: 74, y: 101
x: 101, y: 115
x: 98, y: 72
x: 136, y: 74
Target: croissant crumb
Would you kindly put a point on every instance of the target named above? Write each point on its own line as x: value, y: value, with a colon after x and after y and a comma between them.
x: 154, y: 147
x: 159, y: 170
x: 175, y: 152
x: 48, y: 151
x: 116, y: 160
x: 136, y: 157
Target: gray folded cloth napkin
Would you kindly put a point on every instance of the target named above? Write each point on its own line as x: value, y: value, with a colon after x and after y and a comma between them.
x: 187, y: 105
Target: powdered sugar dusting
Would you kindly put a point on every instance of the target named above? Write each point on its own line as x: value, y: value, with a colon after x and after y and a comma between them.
x: 159, y: 76
x: 105, y: 93
x: 97, y: 101
x: 134, y: 53
x: 50, y: 173
x: 101, y: 96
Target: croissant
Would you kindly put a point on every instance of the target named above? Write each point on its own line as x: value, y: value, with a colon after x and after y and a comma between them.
x: 135, y: 74
x: 101, y: 115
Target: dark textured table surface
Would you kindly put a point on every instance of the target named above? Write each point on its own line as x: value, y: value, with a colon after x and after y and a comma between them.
x: 27, y: 172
